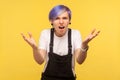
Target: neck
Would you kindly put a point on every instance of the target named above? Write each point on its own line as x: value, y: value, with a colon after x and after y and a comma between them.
x: 60, y: 35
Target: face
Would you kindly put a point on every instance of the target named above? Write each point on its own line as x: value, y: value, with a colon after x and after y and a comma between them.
x: 60, y: 24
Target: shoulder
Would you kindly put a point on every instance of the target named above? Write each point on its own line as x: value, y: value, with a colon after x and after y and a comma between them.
x: 75, y: 32
x: 76, y: 35
x: 45, y: 32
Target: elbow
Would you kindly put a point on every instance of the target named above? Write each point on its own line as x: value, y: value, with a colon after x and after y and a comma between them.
x: 40, y: 62
x: 80, y: 61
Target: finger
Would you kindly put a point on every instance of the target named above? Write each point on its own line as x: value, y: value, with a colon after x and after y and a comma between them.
x: 93, y: 31
x: 96, y: 34
x: 30, y: 35
x: 24, y: 37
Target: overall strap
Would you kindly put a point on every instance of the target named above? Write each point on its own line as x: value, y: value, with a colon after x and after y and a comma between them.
x: 51, y: 40
x: 69, y: 42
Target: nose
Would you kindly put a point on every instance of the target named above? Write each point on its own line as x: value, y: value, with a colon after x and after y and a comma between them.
x: 61, y: 21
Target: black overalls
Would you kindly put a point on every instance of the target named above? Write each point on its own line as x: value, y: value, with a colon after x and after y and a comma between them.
x: 59, y: 67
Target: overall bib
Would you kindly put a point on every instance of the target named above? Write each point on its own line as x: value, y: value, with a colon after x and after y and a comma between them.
x: 59, y: 67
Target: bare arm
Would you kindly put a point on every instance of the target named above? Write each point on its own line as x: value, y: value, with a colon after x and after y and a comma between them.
x: 39, y: 54
x: 81, y: 53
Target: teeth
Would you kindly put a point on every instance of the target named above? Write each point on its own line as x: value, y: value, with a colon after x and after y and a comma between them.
x: 61, y: 27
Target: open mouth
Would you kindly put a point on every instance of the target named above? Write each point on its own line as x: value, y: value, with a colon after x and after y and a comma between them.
x: 61, y: 27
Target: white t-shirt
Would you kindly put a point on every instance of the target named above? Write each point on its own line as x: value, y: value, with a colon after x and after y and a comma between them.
x: 60, y: 45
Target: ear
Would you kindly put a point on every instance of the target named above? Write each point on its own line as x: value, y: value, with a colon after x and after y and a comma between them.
x: 69, y: 21
x: 51, y: 21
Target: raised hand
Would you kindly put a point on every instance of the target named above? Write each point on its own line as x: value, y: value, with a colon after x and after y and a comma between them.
x: 92, y: 35
x: 29, y: 40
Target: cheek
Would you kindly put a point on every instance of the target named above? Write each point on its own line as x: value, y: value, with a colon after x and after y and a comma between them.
x: 67, y: 22
x: 56, y: 27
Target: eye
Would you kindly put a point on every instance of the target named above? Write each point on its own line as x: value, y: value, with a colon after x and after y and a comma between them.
x: 57, y: 18
x: 65, y: 18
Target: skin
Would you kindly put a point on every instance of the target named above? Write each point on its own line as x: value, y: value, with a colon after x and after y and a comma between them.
x: 60, y: 24
x: 61, y: 21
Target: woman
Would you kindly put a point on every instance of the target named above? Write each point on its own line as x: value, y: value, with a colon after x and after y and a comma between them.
x: 60, y: 46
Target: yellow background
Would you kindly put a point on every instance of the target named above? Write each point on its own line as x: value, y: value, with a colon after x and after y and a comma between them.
x: 16, y: 16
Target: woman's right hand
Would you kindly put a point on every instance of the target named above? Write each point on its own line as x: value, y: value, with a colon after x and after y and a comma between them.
x: 30, y: 40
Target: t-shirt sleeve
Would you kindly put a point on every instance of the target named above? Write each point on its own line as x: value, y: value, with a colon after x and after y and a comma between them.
x: 77, y: 40
x: 43, y: 40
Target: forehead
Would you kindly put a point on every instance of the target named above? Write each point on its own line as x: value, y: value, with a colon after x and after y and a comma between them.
x: 64, y: 14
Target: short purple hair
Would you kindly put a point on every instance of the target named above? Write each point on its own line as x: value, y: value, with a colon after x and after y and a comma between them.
x: 57, y: 10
